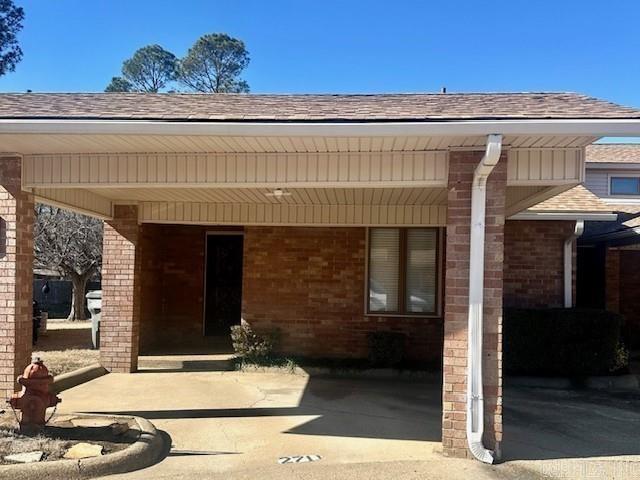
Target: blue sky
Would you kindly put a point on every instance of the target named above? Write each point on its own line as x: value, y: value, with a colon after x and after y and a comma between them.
x: 348, y: 46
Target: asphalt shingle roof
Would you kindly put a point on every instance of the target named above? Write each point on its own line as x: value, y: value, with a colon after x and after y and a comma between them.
x: 576, y: 199
x: 613, y: 153
x: 326, y: 108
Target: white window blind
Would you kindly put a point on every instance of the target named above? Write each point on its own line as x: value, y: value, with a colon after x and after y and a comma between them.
x: 384, y: 269
x: 421, y: 270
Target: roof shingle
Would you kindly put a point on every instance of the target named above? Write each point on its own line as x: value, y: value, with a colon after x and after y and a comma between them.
x: 326, y: 108
x: 576, y: 199
x: 613, y: 153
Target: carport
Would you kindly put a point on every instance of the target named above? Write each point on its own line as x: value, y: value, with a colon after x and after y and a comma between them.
x: 336, y: 216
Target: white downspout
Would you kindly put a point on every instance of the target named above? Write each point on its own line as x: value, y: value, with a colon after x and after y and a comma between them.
x: 568, y: 263
x: 475, y: 401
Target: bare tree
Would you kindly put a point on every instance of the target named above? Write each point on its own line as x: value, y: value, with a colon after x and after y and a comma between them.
x: 70, y: 244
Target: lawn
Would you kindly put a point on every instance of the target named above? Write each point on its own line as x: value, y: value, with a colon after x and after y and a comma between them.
x: 66, y: 346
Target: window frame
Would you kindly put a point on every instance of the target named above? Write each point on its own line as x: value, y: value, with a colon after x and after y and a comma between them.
x: 402, y: 279
x: 613, y: 176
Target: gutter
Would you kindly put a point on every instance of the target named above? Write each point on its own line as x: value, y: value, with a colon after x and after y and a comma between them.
x: 577, y: 127
x: 576, y: 216
x: 475, y: 400
x: 568, y: 263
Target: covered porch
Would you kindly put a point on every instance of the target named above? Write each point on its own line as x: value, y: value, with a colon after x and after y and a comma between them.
x: 327, y: 231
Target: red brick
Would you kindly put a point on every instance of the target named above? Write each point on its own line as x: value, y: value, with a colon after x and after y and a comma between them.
x: 461, y: 168
x: 310, y: 283
x: 534, y: 263
x: 16, y: 273
x: 120, y: 321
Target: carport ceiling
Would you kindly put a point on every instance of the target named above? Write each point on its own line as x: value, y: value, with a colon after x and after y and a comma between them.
x: 91, y: 143
x: 298, y: 196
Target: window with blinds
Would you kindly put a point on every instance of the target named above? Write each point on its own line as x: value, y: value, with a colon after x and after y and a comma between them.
x: 384, y: 269
x: 403, y: 271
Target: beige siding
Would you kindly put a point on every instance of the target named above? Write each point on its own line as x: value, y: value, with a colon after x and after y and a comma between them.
x: 360, y: 169
x: 545, y: 166
x: 418, y: 168
x: 597, y: 180
x: 266, y: 214
x: 78, y: 200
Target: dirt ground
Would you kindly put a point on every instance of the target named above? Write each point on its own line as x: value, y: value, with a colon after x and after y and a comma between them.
x: 66, y: 346
x: 60, y: 435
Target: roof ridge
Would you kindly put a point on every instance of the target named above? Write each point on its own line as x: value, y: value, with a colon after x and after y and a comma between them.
x: 306, y: 94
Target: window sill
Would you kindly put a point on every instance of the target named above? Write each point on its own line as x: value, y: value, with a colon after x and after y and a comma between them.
x: 403, y: 315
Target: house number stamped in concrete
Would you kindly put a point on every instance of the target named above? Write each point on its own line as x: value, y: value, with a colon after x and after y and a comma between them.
x: 299, y: 459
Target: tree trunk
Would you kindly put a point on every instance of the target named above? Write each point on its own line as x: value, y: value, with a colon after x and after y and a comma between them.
x: 78, y: 300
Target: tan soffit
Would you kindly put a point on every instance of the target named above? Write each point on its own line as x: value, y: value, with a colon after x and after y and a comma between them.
x: 92, y: 143
x: 296, y: 196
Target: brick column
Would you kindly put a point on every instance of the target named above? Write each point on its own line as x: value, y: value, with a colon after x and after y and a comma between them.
x: 612, y: 280
x: 16, y: 274
x: 461, y: 168
x: 120, y: 324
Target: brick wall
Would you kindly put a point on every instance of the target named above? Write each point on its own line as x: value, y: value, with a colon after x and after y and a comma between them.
x: 461, y: 168
x: 612, y: 280
x: 534, y: 262
x: 120, y: 323
x: 629, y: 293
x: 16, y: 275
x: 173, y: 260
x: 310, y: 283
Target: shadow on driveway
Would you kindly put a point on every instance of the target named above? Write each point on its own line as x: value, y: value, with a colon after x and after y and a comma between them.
x: 546, y: 424
x: 360, y: 408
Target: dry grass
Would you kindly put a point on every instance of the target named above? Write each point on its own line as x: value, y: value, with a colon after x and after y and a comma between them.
x: 12, y: 442
x: 64, y: 361
x: 66, y: 347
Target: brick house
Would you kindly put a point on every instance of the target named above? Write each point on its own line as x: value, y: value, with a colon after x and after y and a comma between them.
x: 325, y: 216
x: 609, y: 253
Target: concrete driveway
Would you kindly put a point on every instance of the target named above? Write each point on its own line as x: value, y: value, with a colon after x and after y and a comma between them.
x: 232, y: 425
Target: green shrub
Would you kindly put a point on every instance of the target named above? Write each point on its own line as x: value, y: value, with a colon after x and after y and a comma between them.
x: 250, y: 345
x: 562, y: 342
x: 386, y: 349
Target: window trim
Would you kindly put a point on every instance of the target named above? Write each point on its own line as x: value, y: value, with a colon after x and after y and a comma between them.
x: 610, y: 178
x: 402, y: 300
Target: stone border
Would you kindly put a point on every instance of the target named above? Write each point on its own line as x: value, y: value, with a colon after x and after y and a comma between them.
x: 149, y: 449
x: 77, y: 377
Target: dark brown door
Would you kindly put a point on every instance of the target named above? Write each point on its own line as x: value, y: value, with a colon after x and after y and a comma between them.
x: 223, y: 294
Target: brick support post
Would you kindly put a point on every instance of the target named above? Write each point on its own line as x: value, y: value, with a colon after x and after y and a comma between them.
x: 461, y: 168
x: 16, y: 274
x: 612, y: 280
x: 120, y: 324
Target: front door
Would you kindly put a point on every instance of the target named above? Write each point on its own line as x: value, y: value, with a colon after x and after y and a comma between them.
x: 223, y: 291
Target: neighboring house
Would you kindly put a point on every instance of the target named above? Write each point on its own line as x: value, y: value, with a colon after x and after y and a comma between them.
x: 325, y: 216
x: 609, y: 253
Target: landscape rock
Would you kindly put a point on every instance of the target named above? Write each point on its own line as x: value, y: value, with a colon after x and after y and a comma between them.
x: 83, y: 450
x: 119, y: 428
x: 93, y: 422
x: 27, y: 457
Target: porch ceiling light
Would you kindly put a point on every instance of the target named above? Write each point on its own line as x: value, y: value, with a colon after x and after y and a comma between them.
x: 278, y: 193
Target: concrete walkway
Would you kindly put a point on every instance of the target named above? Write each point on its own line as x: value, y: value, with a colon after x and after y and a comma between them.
x: 233, y: 425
